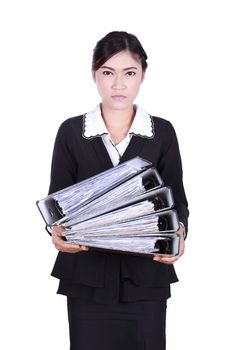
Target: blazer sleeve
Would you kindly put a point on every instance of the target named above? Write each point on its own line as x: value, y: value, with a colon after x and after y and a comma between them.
x: 64, y: 168
x: 170, y: 168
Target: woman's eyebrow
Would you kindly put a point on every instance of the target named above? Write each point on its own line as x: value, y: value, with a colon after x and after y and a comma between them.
x: 124, y: 69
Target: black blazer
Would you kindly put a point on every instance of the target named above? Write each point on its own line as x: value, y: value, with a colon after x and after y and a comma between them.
x: 76, y: 158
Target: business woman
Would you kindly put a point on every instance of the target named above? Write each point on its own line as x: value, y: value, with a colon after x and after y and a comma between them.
x: 116, y: 301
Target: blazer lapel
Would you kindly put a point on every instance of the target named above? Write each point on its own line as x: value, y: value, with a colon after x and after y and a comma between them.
x: 101, y: 153
x: 134, y: 148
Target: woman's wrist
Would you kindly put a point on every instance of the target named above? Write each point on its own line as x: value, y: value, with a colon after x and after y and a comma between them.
x: 184, y: 231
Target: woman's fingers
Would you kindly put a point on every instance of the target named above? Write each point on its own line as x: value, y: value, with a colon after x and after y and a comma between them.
x: 61, y: 245
x: 166, y: 260
x: 58, y: 230
x: 171, y: 260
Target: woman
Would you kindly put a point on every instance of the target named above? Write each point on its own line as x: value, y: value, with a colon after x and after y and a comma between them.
x: 116, y: 301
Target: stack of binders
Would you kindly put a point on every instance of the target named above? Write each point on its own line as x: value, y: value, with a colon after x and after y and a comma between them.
x: 124, y: 209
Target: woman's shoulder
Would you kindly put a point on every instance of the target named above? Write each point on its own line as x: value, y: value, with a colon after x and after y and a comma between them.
x: 159, y: 121
x: 71, y: 125
x: 72, y: 121
x: 162, y: 126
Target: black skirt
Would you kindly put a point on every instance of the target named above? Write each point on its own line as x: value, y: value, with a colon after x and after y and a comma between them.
x: 121, y: 326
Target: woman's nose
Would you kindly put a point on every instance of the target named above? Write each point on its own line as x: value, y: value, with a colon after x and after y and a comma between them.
x: 119, y: 83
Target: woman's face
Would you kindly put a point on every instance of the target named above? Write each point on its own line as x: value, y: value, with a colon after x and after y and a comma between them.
x: 118, y: 80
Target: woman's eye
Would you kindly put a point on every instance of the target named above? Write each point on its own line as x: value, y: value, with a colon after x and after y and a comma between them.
x: 107, y: 72
x: 130, y: 74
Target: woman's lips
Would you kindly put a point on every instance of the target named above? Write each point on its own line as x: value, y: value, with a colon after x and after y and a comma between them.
x: 118, y: 97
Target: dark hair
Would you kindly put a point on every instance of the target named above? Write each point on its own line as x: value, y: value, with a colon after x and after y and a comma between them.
x: 115, y: 42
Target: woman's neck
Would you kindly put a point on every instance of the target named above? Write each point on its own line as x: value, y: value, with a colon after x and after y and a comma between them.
x: 118, y: 122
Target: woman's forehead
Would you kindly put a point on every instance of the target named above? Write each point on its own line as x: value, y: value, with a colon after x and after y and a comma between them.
x: 122, y: 60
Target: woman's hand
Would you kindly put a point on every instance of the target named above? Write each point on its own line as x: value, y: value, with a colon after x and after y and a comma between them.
x: 171, y: 260
x: 62, y: 245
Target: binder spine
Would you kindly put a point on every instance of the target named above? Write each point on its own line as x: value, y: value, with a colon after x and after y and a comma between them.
x: 50, y: 210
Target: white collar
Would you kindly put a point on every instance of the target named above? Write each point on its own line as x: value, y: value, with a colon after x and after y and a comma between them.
x: 93, y: 124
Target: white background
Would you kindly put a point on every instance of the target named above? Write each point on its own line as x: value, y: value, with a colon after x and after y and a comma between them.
x: 45, y: 77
